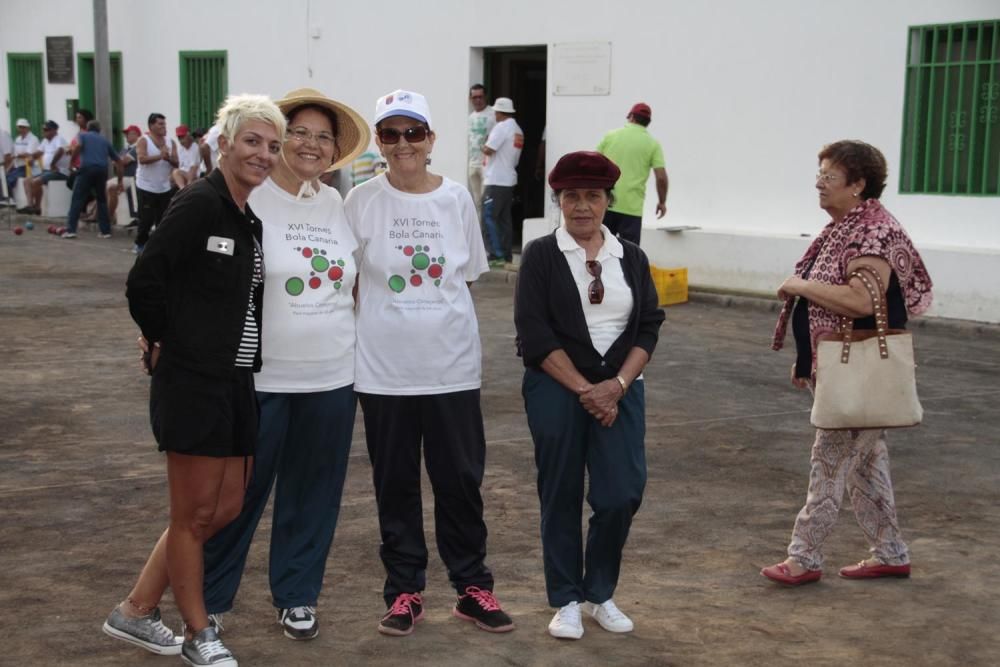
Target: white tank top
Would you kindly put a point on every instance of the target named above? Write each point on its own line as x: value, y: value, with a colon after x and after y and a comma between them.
x: 155, y: 176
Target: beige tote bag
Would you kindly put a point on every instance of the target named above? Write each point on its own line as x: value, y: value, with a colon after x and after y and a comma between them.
x: 866, y: 379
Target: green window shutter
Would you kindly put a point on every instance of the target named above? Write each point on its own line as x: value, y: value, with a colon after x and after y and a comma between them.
x: 951, y: 118
x: 27, y: 89
x: 204, y: 86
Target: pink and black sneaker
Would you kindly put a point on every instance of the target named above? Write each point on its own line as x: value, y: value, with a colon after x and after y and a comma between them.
x: 405, y: 611
x: 480, y: 607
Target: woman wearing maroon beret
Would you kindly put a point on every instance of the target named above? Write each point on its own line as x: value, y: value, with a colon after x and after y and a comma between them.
x: 587, y: 323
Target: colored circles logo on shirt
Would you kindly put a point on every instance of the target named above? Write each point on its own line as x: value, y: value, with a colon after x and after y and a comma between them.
x: 424, y: 267
x: 319, y: 267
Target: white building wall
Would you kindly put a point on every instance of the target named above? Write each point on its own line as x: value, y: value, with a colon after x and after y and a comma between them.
x: 743, y: 96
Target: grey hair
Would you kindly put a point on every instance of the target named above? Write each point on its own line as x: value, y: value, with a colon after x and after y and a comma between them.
x: 238, y: 109
x: 93, y: 126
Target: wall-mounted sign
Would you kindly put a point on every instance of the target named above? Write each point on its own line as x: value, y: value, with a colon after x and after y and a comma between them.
x: 59, y: 59
x: 581, y: 68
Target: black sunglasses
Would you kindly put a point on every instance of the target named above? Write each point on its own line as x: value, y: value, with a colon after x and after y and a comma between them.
x: 413, y: 135
x: 596, y: 290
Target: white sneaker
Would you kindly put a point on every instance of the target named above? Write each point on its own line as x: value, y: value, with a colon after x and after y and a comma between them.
x: 299, y: 622
x: 609, y: 616
x: 567, y: 624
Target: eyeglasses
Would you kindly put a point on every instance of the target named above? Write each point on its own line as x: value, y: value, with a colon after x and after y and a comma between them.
x: 302, y: 135
x: 596, y: 290
x: 827, y: 178
x: 413, y: 135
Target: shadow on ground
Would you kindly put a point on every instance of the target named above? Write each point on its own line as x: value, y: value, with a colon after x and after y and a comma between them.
x: 82, y: 498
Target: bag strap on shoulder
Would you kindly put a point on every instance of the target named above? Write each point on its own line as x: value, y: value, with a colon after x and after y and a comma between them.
x: 872, y: 281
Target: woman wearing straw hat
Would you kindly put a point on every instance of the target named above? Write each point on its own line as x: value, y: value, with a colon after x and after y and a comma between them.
x: 419, y: 367
x: 306, y: 385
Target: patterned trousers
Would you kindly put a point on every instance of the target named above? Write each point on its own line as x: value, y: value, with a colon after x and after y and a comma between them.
x: 859, y: 461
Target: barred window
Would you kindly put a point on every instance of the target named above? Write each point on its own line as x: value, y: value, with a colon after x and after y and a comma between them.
x: 27, y: 89
x: 204, y: 85
x: 951, y: 118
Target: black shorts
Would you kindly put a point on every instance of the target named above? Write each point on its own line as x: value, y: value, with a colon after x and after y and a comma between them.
x: 203, y: 416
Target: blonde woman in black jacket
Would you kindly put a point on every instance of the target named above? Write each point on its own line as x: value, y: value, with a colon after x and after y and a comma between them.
x: 195, y: 293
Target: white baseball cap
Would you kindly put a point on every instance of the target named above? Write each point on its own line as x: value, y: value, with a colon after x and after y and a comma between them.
x: 403, y: 103
x: 504, y: 105
x: 23, y: 122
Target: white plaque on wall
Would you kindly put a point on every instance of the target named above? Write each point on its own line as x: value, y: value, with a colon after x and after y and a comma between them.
x: 581, y: 68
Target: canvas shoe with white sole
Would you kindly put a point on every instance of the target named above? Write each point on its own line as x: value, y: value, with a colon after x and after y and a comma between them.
x: 609, y: 616
x: 149, y: 632
x: 567, y: 623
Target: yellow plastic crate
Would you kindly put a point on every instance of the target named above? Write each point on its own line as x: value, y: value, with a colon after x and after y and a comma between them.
x: 671, y: 285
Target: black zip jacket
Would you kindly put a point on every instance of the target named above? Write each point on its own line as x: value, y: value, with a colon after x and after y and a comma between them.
x: 190, y: 288
x: 548, y: 313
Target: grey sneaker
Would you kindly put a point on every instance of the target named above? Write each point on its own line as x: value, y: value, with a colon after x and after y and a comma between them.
x: 214, y: 622
x: 147, y: 632
x: 299, y: 622
x: 205, y: 648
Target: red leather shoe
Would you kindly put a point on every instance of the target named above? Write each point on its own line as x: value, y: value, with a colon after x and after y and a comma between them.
x: 783, y: 575
x: 866, y: 570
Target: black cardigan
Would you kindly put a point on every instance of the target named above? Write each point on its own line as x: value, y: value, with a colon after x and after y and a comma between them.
x: 548, y: 314
x: 181, y: 291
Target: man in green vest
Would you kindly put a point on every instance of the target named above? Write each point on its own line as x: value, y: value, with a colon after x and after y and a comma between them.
x: 636, y: 152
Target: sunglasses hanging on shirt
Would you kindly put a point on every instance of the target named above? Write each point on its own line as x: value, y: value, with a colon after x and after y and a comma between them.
x: 596, y: 290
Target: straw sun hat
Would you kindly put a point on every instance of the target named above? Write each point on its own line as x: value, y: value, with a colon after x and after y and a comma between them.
x: 353, y: 135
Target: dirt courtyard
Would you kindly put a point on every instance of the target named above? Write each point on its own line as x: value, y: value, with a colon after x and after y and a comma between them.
x: 83, y: 498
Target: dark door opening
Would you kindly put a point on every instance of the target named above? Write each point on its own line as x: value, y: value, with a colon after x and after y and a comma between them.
x: 518, y: 72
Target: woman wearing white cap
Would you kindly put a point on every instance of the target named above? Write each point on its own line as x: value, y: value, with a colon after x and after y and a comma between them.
x: 419, y: 367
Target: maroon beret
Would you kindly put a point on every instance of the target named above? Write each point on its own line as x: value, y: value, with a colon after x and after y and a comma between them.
x: 584, y: 169
x: 641, y: 109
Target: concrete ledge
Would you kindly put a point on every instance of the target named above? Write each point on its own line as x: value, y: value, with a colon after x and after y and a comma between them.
x: 760, y: 302
x: 966, y: 279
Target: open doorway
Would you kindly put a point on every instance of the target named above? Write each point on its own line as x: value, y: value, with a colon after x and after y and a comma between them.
x: 518, y: 72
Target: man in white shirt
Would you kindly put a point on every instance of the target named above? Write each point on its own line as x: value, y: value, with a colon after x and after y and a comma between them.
x: 502, y: 150
x: 25, y: 145
x: 188, y: 157
x: 157, y: 157
x: 53, y: 155
x: 481, y: 122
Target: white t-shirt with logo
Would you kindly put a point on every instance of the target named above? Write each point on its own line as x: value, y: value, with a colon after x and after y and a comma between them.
x: 417, y: 327
x: 480, y: 124
x: 507, y: 140
x: 49, y: 147
x: 307, y: 342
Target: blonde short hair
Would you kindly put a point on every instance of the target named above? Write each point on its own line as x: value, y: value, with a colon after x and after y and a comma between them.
x: 238, y: 109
